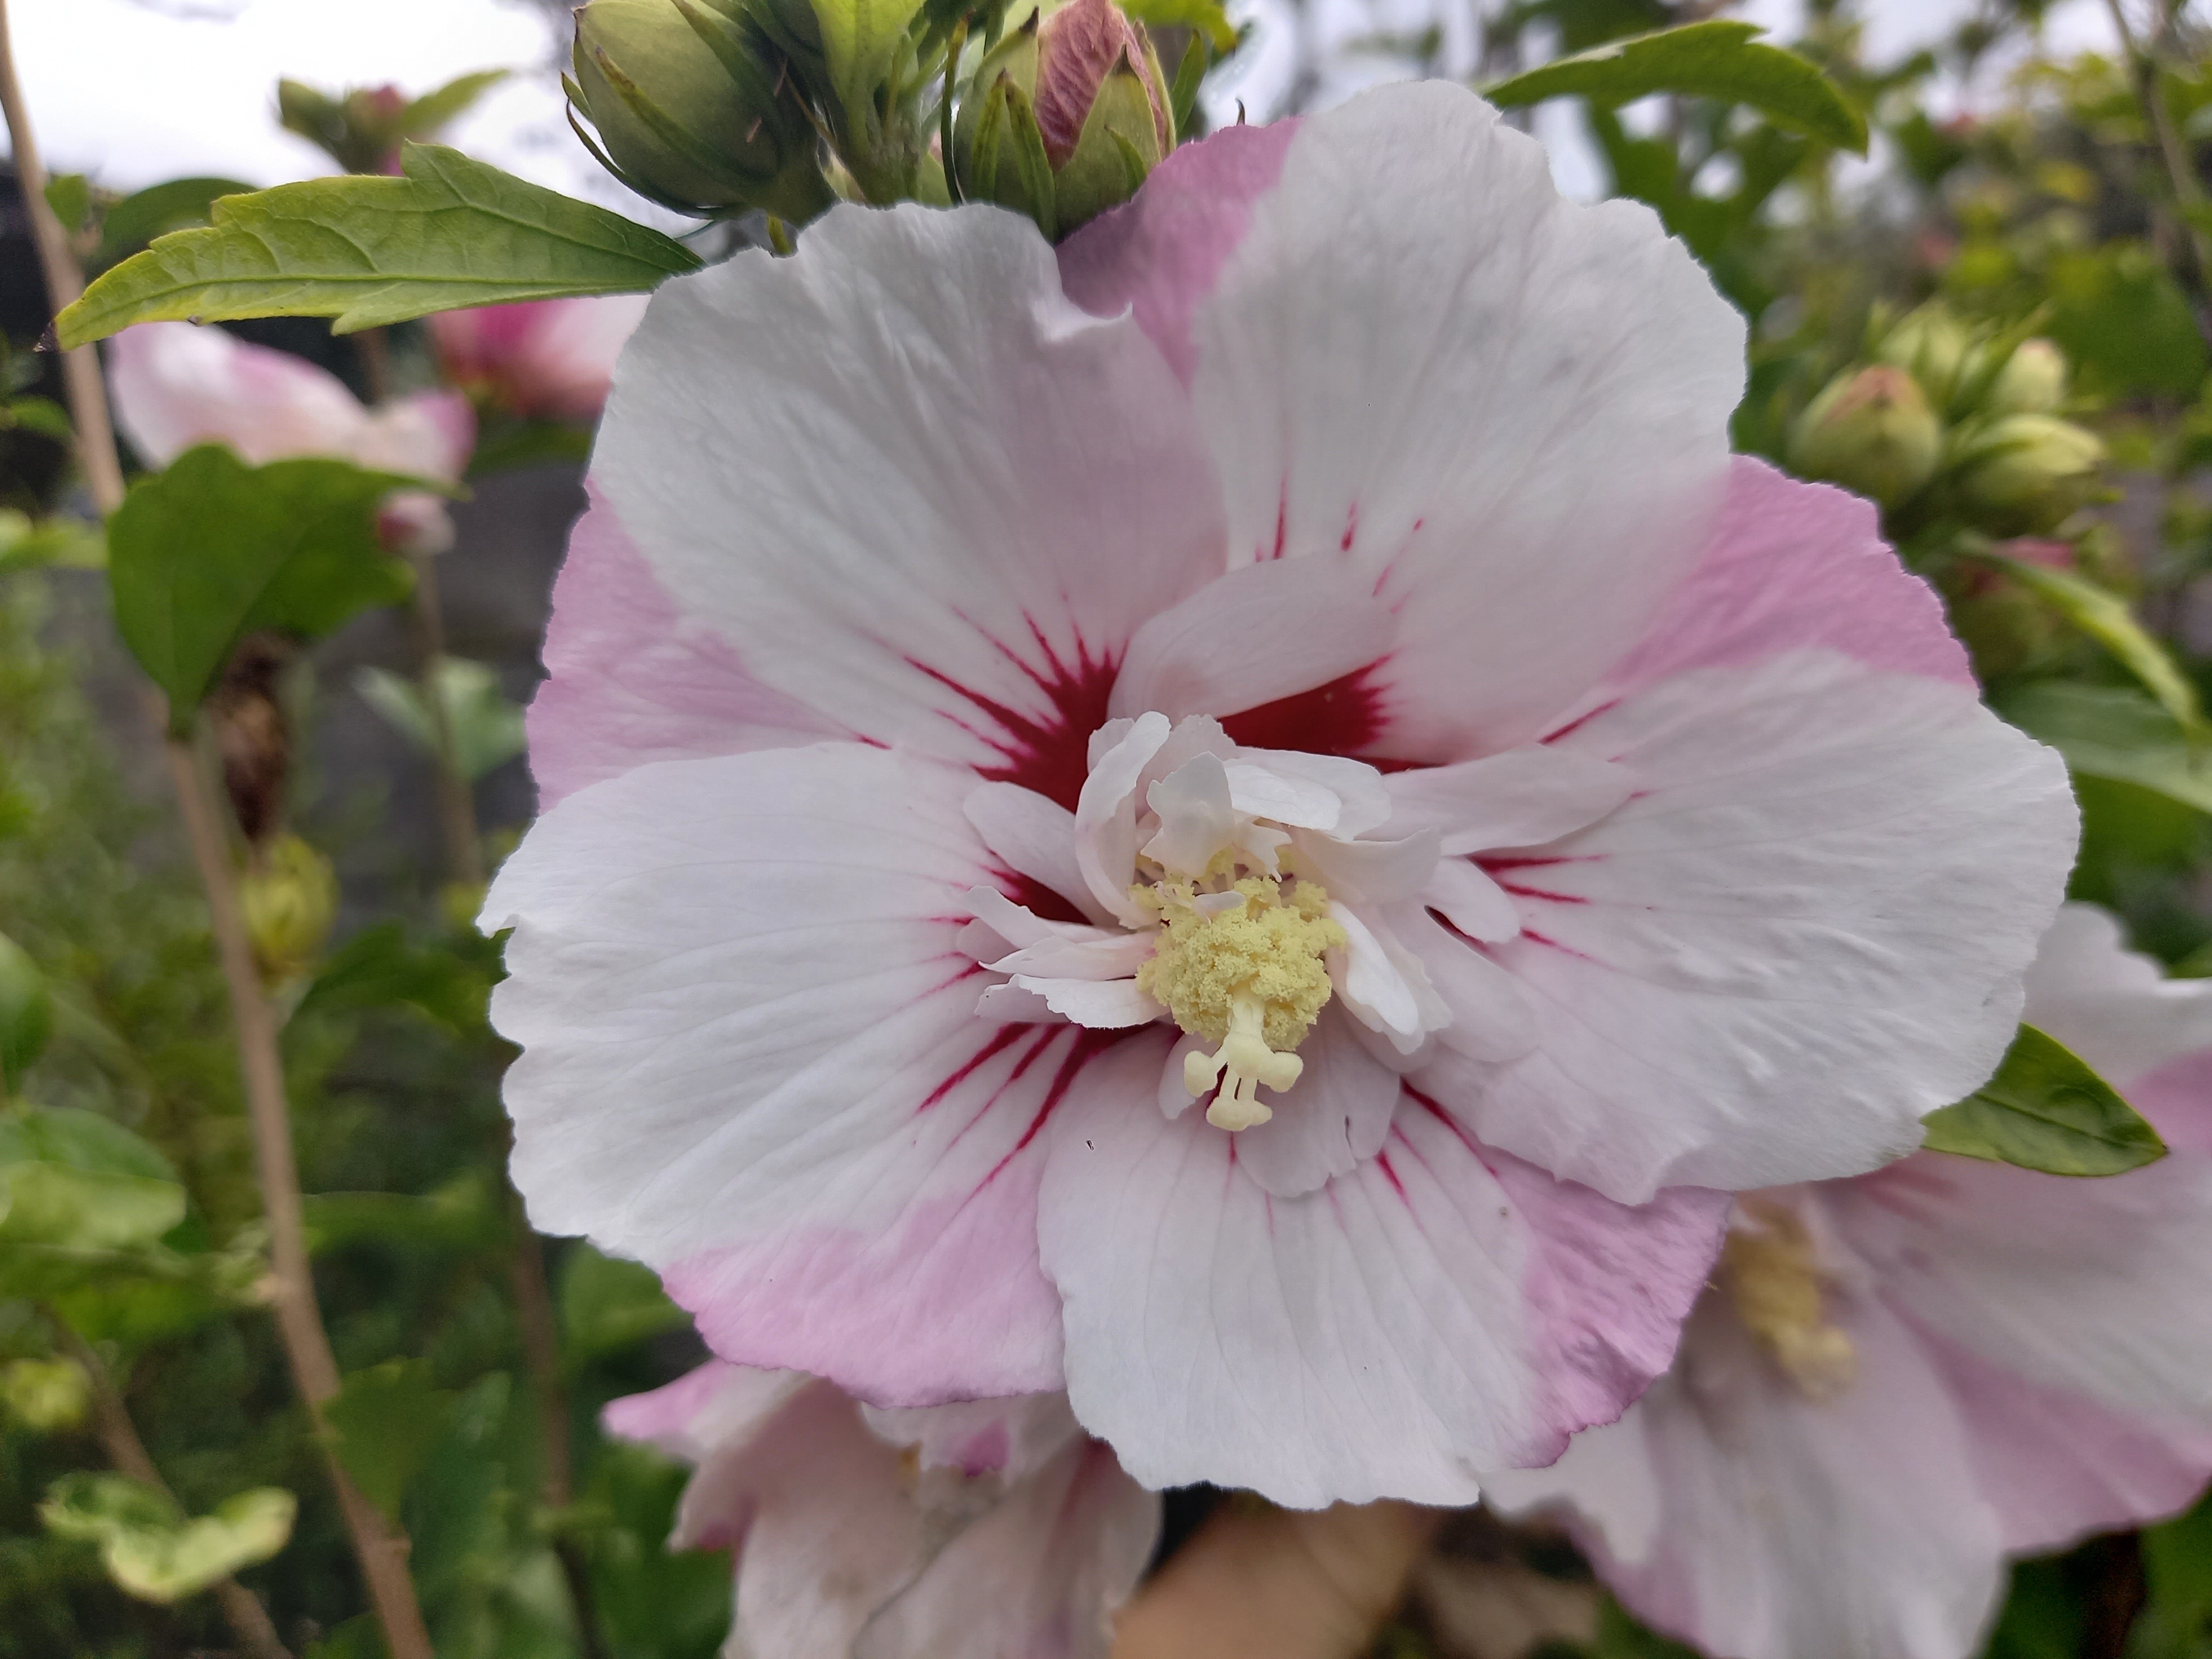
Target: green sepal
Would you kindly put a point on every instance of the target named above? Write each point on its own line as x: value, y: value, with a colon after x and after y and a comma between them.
x: 2045, y: 1109
x: 1008, y: 165
x: 1190, y: 76
x: 1120, y: 144
x: 1024, y: 145
x: 1014, y: 59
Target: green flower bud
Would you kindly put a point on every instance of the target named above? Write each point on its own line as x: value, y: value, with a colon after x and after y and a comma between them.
x: 290, y: 898
x: 1932, y: 346
x: 2031, y: 382
x: 25, y: 1012
x: 695, y: 109
x: 1870, y: 430
x: 45, y: 1395
x: 1088, y: 79
x: 2024, y: 473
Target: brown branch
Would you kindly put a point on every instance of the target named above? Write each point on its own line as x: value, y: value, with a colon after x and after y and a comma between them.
x: 381, y: 1548
x: 119, y: 1438
x: 88, y: 396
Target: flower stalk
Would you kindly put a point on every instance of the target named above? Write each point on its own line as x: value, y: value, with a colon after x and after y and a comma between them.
x: 379, y: 1547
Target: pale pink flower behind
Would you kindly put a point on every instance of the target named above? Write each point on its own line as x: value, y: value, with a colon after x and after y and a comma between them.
x: 552, y: 359
x: 1900, y: 1381
x: 1349, y: 515
x: 176, y: 384
x: 993, y: 1530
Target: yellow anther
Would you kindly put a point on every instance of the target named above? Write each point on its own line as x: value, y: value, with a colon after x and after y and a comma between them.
x: 1247, y: 974
x: 1774, y: 1278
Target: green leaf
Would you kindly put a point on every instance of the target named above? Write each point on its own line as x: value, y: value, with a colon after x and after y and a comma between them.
x: 2106, y: 618
x: 2046, y: 1110
x: 383, y: 1424
x: 51, y: 1204
x: 149, y: 1549
x: 78, y: 1140
x: 69, y: 195
x: 2177, y: 1573
x: 368, y: 250
x: 2125, y: 321
x: 1204, y: 17
x: 156, y: 210
x: 378, y: 968
x: 423, y: 117
x: 459, y: 1215
x: 210, y: 549
x: 1714, y: 59
x: 486, y: 728
x: 77, y: 1182
x: 607, y: 1304
x: 2115, y: 732
x: 512, y: 443
x: 27, y: 1012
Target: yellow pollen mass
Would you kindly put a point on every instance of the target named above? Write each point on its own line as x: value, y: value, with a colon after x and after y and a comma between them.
x: 1248, y: 976
x: 1773, y: 1277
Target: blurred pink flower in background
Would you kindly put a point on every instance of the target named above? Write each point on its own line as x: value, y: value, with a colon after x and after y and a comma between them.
x: 1900, y: 1381
x: 176, y: 384
x: 993, y: 1530
x: 551, y: 358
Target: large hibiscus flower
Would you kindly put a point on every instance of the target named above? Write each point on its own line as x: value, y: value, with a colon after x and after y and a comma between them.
x: 1900, y: 1380
x: 1305, y: 649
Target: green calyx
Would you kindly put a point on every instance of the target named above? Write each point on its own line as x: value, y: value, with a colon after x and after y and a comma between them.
x: 1870, y: 430
x: 696, y: 108
x: 2022, y: 474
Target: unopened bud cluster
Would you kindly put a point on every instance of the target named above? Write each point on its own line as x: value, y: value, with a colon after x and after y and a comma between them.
x: 1946, y: 420
x: 1959, y: 435
x: 719, y: 108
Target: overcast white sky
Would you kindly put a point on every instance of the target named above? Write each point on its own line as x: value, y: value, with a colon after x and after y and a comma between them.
x: 136, y: 91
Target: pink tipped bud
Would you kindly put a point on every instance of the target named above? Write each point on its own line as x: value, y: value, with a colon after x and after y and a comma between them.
x: 1078, y: 47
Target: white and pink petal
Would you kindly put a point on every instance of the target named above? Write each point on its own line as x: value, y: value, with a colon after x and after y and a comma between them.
x: 751, y: 1060
x: 913, y: 485
x: 1437, y: 1311
x: 1805, y: 931
x: 1512, y: 417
